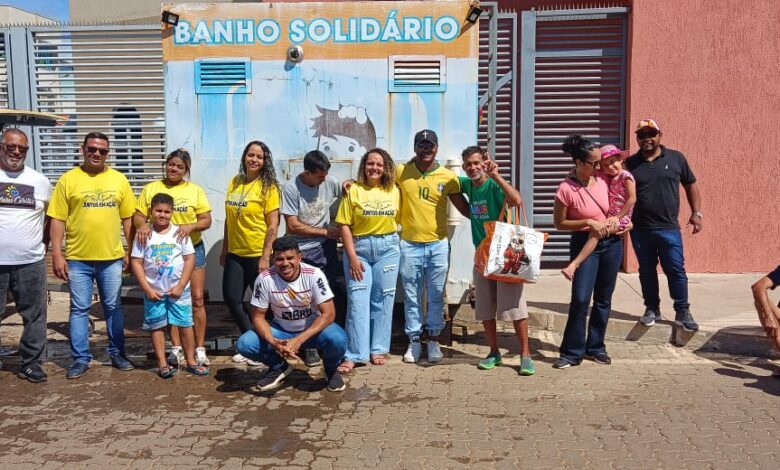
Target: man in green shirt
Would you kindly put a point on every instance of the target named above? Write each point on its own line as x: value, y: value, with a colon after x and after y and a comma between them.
x: 487, y: 192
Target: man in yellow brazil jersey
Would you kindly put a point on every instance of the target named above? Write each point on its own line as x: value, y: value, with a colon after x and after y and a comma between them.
x: 425, y: 188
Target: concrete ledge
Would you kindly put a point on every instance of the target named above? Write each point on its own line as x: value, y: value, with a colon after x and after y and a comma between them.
x: 746, y: 341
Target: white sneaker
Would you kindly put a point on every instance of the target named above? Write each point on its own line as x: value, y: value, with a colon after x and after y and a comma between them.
x: 238, y: 358
x: 413, y: 352
x: 200, y: 357
x: 176, y: 357
x: 252, y: 363
x: 434, y: 352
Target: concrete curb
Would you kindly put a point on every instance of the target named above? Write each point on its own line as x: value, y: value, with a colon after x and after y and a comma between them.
x: 743, y: 341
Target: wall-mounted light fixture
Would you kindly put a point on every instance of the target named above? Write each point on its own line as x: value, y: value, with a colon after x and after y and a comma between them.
x: 474, y: 12
x: 170, y: 18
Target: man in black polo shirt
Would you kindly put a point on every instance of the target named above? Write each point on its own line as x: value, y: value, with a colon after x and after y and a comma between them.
x: 659, y: 171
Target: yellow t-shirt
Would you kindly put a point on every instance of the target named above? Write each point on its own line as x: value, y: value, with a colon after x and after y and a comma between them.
x: 370, y: 211
x: 424, y: 199
x: 245, y: 209
x: 189, y: 201
x: 92, y: 207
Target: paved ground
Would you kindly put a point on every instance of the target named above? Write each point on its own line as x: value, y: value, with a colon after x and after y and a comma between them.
x: 656, y: 406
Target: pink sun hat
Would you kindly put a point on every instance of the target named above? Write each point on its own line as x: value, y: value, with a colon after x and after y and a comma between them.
x: 611, y: 150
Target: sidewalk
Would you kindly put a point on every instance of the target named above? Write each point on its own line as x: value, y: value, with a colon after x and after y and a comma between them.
x: 722, y: 304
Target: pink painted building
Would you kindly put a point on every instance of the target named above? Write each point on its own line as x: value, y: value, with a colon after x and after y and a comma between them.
x: 706, y: 71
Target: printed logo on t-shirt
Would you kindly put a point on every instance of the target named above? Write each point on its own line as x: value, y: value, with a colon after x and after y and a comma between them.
x: 378, y: 209
x: 17, y: 195
x: 236, y: 200
x: 297, y: 314
x: 312, y: 212
x: 321, y: 285
x: 97, y: 198
x: 180, y: 205
x: 302, y: 297
x: 479, y: 209
x: 162, y: 255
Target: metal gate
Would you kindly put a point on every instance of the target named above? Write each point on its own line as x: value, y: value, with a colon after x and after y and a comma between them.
x: 497, y: 88
x: 573, y: 70
x: 4, y: 85
x: 104, y: 78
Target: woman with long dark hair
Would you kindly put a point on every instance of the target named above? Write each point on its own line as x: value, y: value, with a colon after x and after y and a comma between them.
x: 192, y: 214
x: 251, y: 223
x: 581, y: 206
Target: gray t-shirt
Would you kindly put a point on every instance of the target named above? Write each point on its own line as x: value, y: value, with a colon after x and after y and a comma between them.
x: 312, y: 206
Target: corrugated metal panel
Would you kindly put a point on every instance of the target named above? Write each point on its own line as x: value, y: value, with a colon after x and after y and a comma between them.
x: 504, y: 114
x: 579, y: 88
x: 106, y: 79
x: 4, y: 97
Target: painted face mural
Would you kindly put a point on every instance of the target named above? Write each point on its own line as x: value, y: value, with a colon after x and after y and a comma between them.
x: 345, y: 133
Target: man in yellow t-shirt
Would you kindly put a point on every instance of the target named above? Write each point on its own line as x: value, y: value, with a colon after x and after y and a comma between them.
x: 425, y: 188
x: 89, y: 204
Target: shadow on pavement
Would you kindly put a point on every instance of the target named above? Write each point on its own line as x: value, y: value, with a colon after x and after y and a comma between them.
x: 747, y: 340
x: 235, y: 379
x: 767, y: 383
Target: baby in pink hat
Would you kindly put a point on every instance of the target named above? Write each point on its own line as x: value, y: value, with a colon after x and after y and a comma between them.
x: 622, y: 197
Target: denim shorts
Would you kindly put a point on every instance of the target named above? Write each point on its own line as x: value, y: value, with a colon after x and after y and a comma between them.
x: 161, y: 313
x: 200, y: 255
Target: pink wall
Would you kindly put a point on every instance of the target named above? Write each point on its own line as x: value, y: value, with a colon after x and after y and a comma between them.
x: 709, y: 73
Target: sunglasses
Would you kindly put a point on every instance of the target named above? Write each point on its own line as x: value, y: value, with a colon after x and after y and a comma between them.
x: 102, y: 152
x: 646, y: 134
x: 11, y: 148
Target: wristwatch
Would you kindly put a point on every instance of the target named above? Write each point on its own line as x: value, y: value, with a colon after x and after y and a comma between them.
x: 699, y: 214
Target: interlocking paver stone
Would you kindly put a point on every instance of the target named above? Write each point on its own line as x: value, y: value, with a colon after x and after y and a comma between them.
x: 655, y: 407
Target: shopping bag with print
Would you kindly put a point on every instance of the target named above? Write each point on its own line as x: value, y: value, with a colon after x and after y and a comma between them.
x: 510, y: 252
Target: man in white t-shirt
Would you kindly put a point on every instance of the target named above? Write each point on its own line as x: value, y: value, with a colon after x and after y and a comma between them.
x: 301, y: 303
x: 24, y: 195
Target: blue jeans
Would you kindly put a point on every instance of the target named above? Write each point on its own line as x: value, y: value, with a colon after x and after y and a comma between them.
x: 652, y: 245
x: 370, y: 301
x: 595, y: 278
x: 108, y: 275
x: 424, y: 264
x: 331, y: 340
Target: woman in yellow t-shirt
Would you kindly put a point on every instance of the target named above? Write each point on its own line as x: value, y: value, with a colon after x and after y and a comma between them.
x: 368, y: 217
x: 192, y: 215
x: 251, y: 222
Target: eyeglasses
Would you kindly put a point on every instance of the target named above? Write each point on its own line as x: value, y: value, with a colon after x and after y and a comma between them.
x: 593, y: 163
x: 102, y: 152
x: 646, y: 134
x: 11, y: 148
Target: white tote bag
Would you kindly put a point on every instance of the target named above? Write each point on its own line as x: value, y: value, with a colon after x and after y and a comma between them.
x: 515, y: 253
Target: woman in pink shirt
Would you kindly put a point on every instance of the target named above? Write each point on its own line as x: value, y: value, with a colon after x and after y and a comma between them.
x: 581, y: 206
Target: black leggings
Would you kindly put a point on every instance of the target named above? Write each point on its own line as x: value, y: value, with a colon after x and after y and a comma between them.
x: 239, y: 273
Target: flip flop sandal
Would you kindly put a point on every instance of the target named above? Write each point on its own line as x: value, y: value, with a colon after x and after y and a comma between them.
x: 197, y: 370
x: 167, y: 372
x: 378, y: 359
x: 345, y: 367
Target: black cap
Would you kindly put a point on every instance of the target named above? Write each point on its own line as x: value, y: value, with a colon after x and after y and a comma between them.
x: 426, y: 135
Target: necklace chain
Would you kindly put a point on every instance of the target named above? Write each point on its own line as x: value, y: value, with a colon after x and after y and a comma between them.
x: 245, y: 194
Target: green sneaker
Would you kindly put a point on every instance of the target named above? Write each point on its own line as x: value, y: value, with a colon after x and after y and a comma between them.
x: 527, y: 366
x: 490, y: 362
